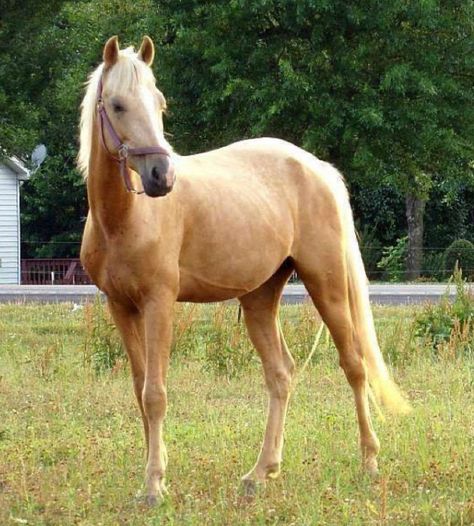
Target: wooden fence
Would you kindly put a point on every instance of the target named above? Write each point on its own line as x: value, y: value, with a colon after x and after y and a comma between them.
x: 53, y: 272
x: 66, y: 271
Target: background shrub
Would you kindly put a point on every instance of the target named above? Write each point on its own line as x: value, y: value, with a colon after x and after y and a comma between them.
x: 433, y: 266
x: 461, y: 251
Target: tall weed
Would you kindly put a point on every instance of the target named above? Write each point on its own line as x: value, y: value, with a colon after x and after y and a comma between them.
x: 186, y: 329
x: 227, y: 349
x: 300, y: 325
x: 215, y: 336
x: 102, y: 345
x: 449, y: 325
x: 393, y: 260
x: 396, y: 337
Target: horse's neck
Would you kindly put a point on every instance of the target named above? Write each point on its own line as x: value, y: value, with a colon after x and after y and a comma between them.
x: 109, y: 202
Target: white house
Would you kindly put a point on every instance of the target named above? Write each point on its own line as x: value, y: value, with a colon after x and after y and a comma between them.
x: 12, y: 172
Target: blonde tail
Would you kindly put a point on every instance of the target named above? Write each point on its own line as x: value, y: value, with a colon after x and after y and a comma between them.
x: 384, y: 388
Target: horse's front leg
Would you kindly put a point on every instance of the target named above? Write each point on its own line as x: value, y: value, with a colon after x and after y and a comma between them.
x: 129, y: 322
x: 158, y: 314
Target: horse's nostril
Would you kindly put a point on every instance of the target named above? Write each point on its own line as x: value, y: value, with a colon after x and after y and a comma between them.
x: 155, y: 173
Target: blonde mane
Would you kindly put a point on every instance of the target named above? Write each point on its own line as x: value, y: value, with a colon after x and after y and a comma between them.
x: 126, y: 74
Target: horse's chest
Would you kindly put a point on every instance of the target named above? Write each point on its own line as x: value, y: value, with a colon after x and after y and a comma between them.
x: 126, y: 274
x: 120, y: 270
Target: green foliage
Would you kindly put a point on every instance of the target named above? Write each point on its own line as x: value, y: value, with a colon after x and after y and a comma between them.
x: 44, y: 61
x: 227, y: 355
x: 216, y: 336
x: 102, y: 345
x: 300, y: 326
x: 433, y: 265
x: 383, y: 109
x: 371, y: 250
x: 449, y: 214
x: 393, y: 260
x: 187, y: 319
x: 460, y: 253
x: 449, y: 322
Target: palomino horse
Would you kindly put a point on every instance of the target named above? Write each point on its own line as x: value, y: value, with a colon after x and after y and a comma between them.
x: 229, y: 223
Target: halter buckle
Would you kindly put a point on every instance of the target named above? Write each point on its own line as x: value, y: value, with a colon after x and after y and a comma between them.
x: 100, y: 104
x: 122, y: 152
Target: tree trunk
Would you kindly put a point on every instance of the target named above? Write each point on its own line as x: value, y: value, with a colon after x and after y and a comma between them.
x: 415, y: 209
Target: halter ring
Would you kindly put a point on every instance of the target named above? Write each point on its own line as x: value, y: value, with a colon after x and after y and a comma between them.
x: 122, y: 152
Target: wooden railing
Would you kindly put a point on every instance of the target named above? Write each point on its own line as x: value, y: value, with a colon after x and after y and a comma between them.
x: 53, y: 272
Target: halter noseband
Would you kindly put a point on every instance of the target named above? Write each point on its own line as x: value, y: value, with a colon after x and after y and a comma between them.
x: 123, y: 150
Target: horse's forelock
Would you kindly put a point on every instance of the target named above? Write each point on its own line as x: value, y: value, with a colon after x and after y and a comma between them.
x: 129, y: 72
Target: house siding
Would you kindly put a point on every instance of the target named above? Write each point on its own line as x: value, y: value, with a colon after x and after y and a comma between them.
x: 9, y: 227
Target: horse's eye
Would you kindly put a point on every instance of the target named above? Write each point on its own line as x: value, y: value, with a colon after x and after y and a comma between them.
x: 118, y: 108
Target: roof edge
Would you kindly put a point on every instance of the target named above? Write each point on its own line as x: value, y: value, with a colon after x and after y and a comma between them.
x: 18, y: 167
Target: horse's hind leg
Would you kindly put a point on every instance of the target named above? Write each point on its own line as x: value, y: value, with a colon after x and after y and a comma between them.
x: 325, y: 278
x: 261, y: 310
x: 130, y: 325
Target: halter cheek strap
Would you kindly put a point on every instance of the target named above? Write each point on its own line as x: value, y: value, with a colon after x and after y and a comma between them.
x: 123, y: 150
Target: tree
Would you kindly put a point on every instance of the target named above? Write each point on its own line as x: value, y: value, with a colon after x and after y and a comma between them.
x: 45, y: 60
x: 383, y: 90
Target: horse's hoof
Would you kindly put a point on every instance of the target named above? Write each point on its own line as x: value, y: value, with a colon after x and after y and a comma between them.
x: 148, y: 500
x: 152, y: 500
x: 250, y: 487
x: 371, y: 469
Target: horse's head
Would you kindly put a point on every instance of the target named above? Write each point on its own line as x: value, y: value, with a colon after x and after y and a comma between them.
x: 134, y: 107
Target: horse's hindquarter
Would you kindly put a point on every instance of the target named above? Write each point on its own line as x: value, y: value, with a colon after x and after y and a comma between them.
x: 240, y: 205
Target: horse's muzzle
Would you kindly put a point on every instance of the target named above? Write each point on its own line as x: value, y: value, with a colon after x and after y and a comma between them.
x: 158, y: 177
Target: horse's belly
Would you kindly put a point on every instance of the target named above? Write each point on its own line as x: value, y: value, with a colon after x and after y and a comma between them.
x: 198, y: 291
x: 202, y: 289
x: 221, y: 275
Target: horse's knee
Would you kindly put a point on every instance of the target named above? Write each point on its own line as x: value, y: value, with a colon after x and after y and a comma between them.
x: 279, y: 383
x: 353, y: 368
x: 154, y: 400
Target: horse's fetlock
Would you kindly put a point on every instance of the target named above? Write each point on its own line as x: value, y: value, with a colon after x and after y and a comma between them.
x: 370, y: 447
x: 155, y: 475
x: 273, y: 470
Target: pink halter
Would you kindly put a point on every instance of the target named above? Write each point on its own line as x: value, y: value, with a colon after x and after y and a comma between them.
x: 123, y: 149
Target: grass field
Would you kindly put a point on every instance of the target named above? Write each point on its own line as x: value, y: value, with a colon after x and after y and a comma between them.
x: 71, y: 447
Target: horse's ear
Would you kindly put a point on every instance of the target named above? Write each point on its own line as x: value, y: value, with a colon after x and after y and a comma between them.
x: 111, y: 51
x: 147, y: 51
